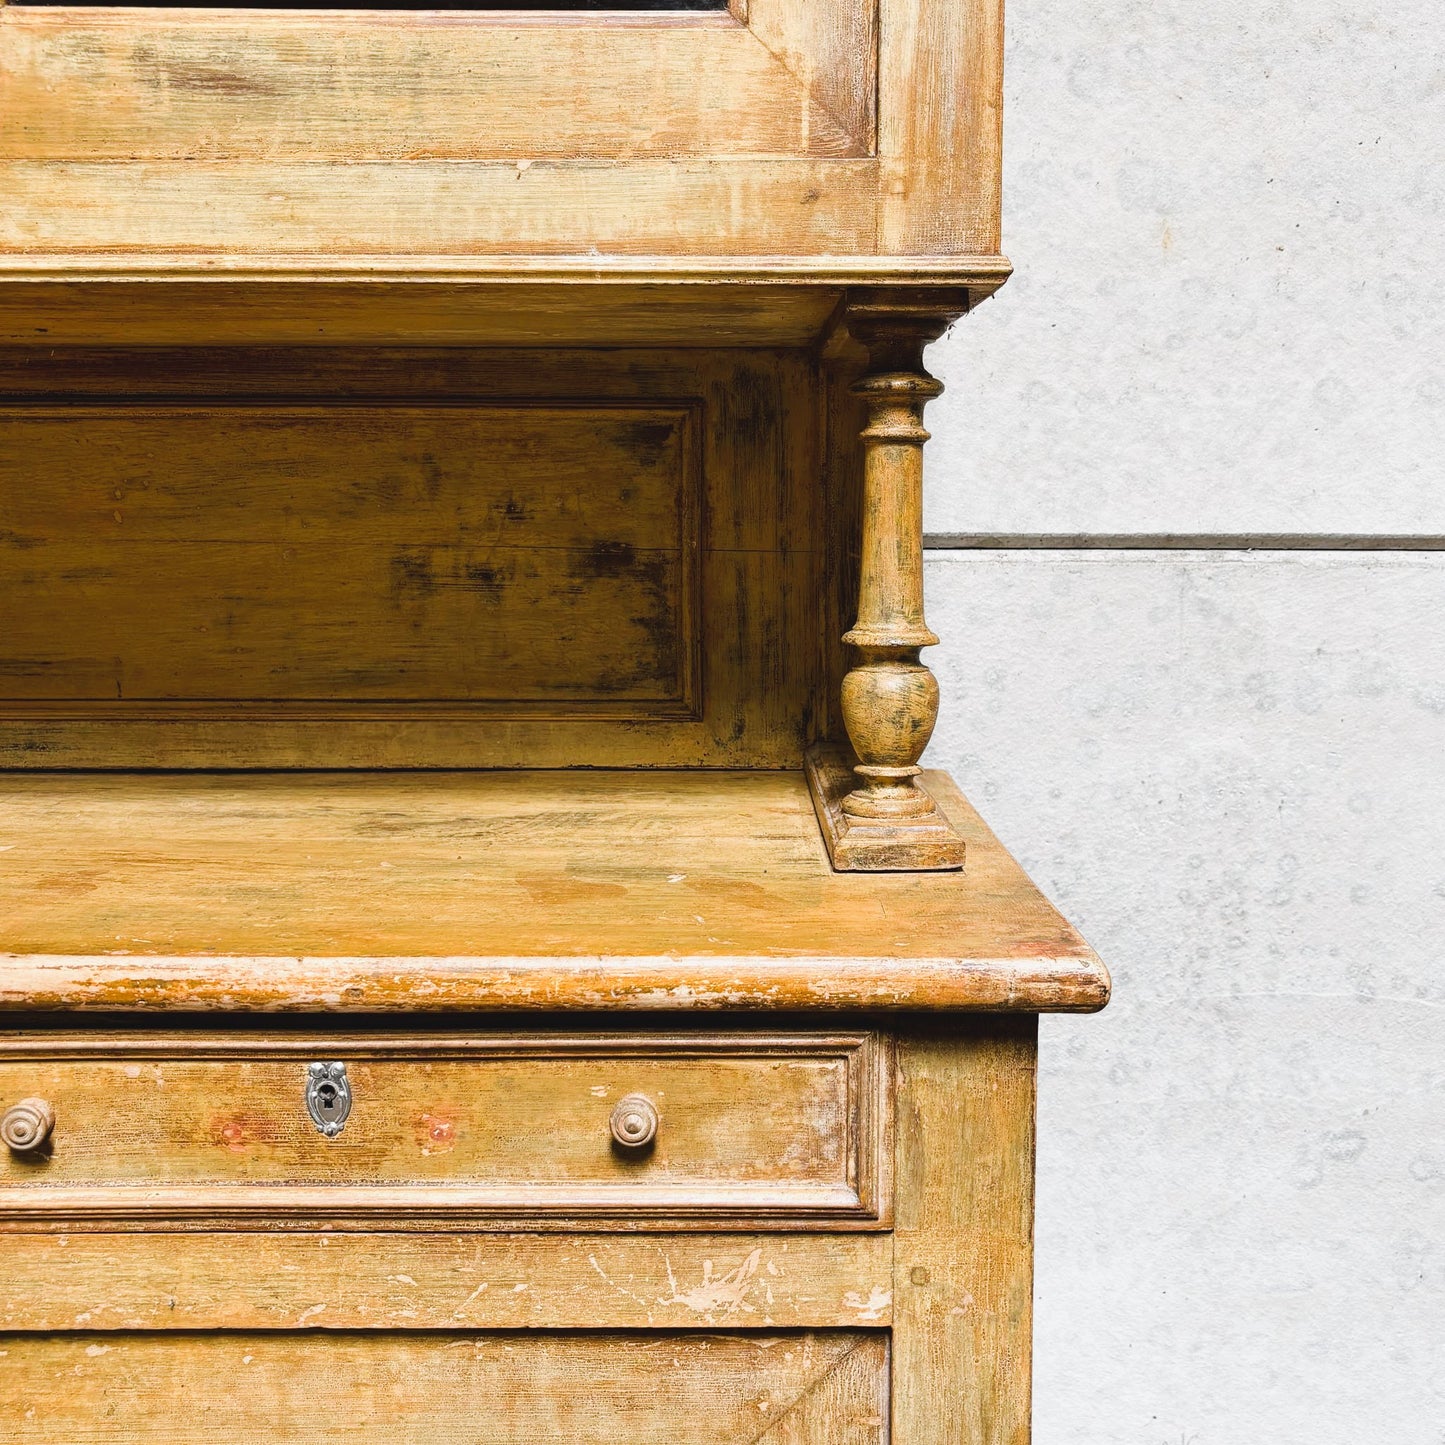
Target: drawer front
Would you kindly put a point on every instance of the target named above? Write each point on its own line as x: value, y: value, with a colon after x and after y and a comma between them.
x: 816, y: 1387
x: 488, y: 1130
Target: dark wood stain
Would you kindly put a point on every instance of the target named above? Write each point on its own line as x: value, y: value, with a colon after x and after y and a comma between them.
x: 168, y: 73
x: 651, y: 443
x: 609, y: 559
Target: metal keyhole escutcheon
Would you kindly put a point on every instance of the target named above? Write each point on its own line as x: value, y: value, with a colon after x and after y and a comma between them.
x: 328, y: 1097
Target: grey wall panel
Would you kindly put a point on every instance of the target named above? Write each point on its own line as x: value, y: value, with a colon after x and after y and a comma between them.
x: 1229, y: 224
x: 1226, y: 768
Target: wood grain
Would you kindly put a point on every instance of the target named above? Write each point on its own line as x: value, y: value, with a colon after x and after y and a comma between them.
x: 963, y: 1242
x: 338, y: 1280
x: 588, y: 1389
x: 344, y: 86
x: 940, y: 137
x: 451, y: 552
x: 411, y: 311
x: 314, y: 891
x: 728, y: 206
x: 831, y: 48
x: 267, y: 508
x: 186, y: 1127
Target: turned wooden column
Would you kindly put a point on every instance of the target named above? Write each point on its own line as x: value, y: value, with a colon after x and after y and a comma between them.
x: 874, y: 811
x: 890, y: 699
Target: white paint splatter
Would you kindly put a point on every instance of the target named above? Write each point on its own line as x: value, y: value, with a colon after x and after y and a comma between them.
x: 724, y: 1294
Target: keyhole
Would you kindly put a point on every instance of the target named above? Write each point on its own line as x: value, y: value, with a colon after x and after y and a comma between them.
x: 328, y: 1094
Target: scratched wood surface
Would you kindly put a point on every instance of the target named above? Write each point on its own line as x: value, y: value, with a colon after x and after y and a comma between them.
x: 311, y: 890
x: 313, y: 557
x: 414, y: 1281
x: 826, y: 1387
x: 199, y: 1126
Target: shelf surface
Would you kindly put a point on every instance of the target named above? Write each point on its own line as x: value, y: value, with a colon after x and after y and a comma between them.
x: 367, y: 892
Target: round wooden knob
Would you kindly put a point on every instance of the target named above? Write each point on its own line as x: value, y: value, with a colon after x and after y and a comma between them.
x: 634, y: 1122
x: 27, y: 1125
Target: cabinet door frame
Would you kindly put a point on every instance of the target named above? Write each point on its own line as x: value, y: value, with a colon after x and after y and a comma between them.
x: 777, y: 128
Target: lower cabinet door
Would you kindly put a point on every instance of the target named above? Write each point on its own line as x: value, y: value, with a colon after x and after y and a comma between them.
x: 806, y: 1387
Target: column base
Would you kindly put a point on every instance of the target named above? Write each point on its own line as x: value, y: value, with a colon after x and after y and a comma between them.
x: 928, y: 843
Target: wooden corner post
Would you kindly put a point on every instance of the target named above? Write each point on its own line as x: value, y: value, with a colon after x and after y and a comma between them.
x: 876, y: 815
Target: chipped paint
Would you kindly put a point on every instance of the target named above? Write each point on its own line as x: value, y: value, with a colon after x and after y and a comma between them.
x: 873, y: 1308
x: 1057, y: 983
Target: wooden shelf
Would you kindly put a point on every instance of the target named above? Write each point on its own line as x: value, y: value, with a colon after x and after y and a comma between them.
x: 362, y: 892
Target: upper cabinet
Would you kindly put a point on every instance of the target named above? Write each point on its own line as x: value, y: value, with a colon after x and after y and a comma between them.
x: 800, y: 134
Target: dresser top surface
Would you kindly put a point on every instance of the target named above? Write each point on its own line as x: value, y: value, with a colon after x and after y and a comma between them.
x: 368, y: 891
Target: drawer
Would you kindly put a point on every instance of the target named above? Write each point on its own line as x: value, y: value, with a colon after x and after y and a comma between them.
x: 482, y: 1130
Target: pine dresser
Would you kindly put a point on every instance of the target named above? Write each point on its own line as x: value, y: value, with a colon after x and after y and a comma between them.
x: 480, y: 963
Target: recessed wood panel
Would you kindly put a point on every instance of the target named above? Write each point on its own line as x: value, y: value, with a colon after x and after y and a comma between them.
x: 805, y: 1388
x: 463, y: 553
x: 787, y: 1128
x: 312, y: 557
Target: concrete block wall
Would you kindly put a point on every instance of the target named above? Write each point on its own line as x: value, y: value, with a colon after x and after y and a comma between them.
x: 1187, y: 515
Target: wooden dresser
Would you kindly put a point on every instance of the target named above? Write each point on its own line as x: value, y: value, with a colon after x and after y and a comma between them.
x: 479, y: 961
